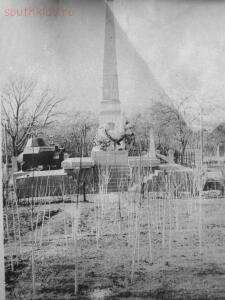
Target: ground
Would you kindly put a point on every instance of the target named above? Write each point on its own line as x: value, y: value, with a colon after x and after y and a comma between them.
x: 142, y: 249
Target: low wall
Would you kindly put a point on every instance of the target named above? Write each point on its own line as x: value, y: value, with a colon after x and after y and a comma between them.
x: 44, y: 186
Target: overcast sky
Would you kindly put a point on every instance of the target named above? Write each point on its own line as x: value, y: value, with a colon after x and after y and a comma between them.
x: 167, y: 50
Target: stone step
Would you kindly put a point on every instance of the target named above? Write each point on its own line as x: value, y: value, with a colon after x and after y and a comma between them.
x: 118, y: 177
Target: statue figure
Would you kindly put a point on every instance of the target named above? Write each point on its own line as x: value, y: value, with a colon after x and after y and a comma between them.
x: 108, y: 138
x: 101, y: 141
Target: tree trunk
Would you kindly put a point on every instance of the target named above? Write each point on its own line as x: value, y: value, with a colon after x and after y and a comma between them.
x: 183, y: 145
x: 14, y: 146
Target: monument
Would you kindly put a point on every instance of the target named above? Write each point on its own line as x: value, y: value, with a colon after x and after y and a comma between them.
x: 109, y: 151
x: 109, y: 157
x: 111, y: 125
x: 110, y: 113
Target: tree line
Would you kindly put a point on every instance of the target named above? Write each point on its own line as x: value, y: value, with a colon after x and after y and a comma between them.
x: 28, y: 110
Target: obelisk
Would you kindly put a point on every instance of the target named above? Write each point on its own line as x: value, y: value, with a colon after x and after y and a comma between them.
x: 110, y: 113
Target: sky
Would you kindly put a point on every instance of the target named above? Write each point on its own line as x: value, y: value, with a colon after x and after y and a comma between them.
x: 167, y: 50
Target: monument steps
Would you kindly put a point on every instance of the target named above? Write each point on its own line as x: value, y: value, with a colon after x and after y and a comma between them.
x: 116, y: 179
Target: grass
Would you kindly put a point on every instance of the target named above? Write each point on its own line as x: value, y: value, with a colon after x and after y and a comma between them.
x: 183, y: 271
x: 118, y: 243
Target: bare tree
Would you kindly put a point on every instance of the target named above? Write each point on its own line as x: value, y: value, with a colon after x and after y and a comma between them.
x: 170, y: 122
x: 25, y: 110
x: 78, y: 137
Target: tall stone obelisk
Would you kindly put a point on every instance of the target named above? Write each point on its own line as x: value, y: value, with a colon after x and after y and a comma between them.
x: 110, y: 112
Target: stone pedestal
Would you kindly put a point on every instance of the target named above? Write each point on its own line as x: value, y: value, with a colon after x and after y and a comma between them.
x: 113, y: 170
x: 110, y: 158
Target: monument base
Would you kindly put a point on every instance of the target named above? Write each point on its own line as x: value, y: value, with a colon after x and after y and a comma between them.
x: 110, y: 158
x: 109, y: 171
x: 113, y: 170
x: 143, y: 162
